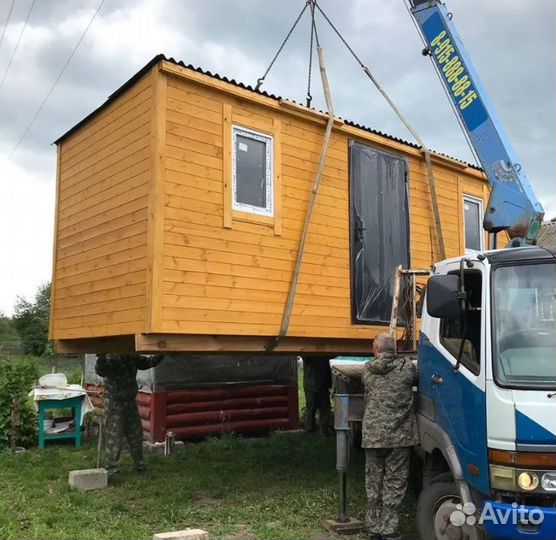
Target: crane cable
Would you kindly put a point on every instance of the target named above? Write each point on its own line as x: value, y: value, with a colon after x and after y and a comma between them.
x: 405, y: 122
x: 314, y: 191
x: 260, y: 80
x: 17, y: 43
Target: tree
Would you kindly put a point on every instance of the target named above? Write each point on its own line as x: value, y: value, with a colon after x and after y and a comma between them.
x: 31, y: 321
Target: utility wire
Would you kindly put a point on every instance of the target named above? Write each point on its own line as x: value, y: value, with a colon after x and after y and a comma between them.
x: 48, y: 94
x: 7, y: 21
x: 17, y: 44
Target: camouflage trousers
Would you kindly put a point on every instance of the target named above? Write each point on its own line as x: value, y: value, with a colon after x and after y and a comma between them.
x: 386, y: 477
x: 318, y: 401
x: 123, y: 421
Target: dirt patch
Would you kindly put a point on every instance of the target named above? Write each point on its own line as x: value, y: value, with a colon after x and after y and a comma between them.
x: 243, y: 532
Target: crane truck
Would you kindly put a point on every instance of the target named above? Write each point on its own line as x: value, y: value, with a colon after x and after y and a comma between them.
x: 487, y: 348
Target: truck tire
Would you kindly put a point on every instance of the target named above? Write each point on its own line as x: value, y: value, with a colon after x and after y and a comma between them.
x: 436, y: 503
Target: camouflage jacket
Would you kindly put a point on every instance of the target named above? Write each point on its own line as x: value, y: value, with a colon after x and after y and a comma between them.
x: 120, y: 373
x: 389, y: 419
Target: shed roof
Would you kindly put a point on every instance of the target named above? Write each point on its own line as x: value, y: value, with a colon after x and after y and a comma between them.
x: 161, y: 57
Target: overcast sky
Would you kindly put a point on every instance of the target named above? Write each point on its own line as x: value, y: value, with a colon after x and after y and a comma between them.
x: 511, y: 41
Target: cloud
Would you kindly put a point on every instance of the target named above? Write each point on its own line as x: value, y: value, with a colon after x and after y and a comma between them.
x: 512, y: 45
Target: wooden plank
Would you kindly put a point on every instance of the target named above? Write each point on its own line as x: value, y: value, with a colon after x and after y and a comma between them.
x: 201, y: 245
x: 113, y: 110
x: 194, y: 145
x: 186, y: 94
x: 155, y: 226
x: 186, y: 230
x: 193, y: 169
x: 116, y: 235
x: 190, y: 180
x: 194, y: 111
x: 246, y: 344
x: 94, y: 233
x: 188, y: 121
x: 120, y: 183
x: 178, y: 132
x: 125, y: 291
x: 113, y: 259
x: 99, y: 331
x: 107, y: 219
x: 102, y: 251
x: 113, y: 281
x: 175, y: 279
x: 55, y: 243
x: 190, y: 156
x: 193, y: 193
x: 118, y: 344
x: 278, y: 147
x: 100, y: 307
x: 111, y: 134
x: 129, y: 165
x: 134, y: 316
x: 126, y: 140
x: 109, y: 162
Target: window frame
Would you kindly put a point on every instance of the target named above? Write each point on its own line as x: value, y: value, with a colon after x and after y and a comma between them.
x: 268, y: 140
x: 478, y: 201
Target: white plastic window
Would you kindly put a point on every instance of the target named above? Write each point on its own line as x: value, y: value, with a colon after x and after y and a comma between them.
x: 252, y: 178
x: 473, y: 215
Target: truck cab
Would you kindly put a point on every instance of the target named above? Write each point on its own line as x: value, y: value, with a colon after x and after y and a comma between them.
x: 487, y: 397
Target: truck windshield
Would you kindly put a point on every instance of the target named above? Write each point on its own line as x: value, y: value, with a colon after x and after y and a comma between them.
x: 525, y: 326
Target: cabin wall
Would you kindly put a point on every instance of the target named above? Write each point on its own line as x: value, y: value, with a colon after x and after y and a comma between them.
x: 100, y: 251
x: 227, y: 273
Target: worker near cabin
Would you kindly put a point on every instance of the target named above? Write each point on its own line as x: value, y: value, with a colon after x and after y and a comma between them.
x: 389, y: 432
x: 317, y: 380
x: 121, y: 412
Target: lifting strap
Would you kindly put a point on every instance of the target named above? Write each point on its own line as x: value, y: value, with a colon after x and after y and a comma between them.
x: 314, y: 192
x: 405, y: 122
x: 324, y: 150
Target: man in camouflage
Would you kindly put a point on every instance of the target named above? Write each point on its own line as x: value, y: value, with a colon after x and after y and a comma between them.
x: 389, y: 432
x: 122, y: 414
x: 317, y: 379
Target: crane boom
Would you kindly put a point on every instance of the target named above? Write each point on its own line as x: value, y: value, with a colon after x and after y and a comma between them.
x: 512, y: 206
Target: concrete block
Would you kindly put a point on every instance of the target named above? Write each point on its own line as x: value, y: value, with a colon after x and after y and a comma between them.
x: 88, y: 479
x: 187, y: 534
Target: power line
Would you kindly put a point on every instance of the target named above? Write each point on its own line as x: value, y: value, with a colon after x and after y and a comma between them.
x: 17, y: 44
x: 7, y: 21
x: 28, y: 128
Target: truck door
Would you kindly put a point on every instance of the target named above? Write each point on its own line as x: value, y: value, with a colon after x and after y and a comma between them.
x: 459, y: 395
x: 379, y: 230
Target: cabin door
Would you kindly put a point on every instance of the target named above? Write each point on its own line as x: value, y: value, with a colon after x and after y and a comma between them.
x: 379, y: 230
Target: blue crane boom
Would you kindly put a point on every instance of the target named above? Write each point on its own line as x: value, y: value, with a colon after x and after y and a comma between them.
x: 512, y: 206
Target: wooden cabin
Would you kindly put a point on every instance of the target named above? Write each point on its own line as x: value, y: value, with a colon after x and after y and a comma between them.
x: 180, y: 206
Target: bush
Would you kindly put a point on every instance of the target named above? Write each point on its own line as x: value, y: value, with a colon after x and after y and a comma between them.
x: 17, y: 377
x: 31, y: 322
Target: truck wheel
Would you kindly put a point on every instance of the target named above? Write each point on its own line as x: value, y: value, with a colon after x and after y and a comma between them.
x: 437, y: 503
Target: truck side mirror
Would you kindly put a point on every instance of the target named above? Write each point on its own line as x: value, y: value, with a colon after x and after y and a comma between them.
x: 442, y: 297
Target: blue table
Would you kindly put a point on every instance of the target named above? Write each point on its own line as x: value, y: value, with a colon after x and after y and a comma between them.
x: 74, y: 403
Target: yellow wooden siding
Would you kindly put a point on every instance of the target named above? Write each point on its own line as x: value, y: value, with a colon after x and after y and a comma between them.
x: 235, y: 279
x: 101, y: 246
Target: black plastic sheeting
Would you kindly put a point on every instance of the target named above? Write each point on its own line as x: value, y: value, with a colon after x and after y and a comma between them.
x: 379, y: 230
x: 198, y: 371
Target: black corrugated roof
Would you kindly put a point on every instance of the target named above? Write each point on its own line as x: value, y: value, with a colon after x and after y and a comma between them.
x: 159, y: 57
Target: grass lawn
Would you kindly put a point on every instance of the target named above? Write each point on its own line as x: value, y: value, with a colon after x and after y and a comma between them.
x: 276, y: 487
